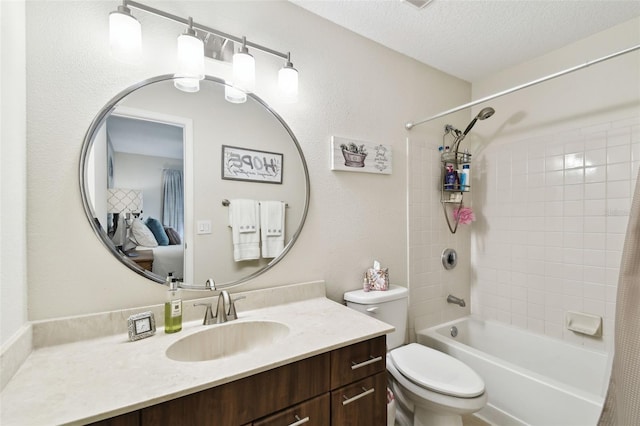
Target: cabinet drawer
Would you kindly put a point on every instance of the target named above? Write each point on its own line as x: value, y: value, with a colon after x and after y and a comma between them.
x: 315, y: 412
x: 361, y: 403
x: 358, y: 361
x: 242, y: 401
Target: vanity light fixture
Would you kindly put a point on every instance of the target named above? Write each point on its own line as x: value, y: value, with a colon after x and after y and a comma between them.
x: 244, y: 68
x: 288, y: 81
x: 190, y: 60
x: 125, y: 37
x: 233, y: 95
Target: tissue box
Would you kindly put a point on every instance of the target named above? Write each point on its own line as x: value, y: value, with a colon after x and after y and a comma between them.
x: 376, y: 279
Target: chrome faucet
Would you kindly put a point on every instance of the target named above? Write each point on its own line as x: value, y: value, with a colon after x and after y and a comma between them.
x: 456, y: 300
x: 225, y: 309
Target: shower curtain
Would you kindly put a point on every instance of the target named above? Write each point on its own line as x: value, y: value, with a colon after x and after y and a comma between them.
x: 173, y: 200
x: 622, y: 404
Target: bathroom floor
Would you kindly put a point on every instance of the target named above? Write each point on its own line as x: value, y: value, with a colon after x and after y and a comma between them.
x: 471, y: 420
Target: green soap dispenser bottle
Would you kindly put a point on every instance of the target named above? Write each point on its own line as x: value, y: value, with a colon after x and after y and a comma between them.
x: 172, y: 307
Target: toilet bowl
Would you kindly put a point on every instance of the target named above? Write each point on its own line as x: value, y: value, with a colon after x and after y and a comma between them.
x: 437, y: 388
x: 431, y: 388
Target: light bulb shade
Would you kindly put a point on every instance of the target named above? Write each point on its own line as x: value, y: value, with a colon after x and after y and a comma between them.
x: 125, y: 37
x: 190, y: 57
x: 288, y: 84
x: 189, y: 85
x: 120, y: 200
x: 244, y: 71
x: 233, y: 95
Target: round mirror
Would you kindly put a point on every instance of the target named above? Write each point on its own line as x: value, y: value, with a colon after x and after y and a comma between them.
x: 193, y: 184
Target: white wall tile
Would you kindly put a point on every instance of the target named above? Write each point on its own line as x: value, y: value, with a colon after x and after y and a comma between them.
x: 554, y: 178
x: 574, y: 160
x: 619, y: 189
x: 619, y: 136
x: 618, y: 154
x: 620, y: 171
x: 594, y: 274
x: 596, y: 224
x: 595, y: 174
x: 595, y: 157
x: 565, y: 228
x: 554, y: 162
x: 595, y: 191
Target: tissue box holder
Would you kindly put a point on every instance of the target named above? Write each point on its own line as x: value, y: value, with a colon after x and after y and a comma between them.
x: 376, y: 279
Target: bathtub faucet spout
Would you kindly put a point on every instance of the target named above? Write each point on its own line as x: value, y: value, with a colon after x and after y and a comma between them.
x: 456, y: 300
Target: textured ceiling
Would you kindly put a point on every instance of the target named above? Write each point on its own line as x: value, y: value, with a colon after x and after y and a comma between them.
x: 471, y: 39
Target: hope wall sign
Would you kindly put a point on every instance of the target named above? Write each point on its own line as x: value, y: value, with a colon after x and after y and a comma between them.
x: 251, y: 165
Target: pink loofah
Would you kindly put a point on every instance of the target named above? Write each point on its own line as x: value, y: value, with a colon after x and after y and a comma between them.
x: 464, y: 215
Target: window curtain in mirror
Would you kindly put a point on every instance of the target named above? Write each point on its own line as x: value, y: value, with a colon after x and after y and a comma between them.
x: 173, y: 200
x: 622, y: 404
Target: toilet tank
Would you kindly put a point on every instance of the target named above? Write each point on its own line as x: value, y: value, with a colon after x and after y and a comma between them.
x: 387, y: 306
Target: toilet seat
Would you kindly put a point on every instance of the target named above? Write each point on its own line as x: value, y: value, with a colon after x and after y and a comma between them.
x: 437, y: 371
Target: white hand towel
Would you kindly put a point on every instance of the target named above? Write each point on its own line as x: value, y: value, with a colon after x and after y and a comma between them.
x: 272, y: 227
x: 245, y: 230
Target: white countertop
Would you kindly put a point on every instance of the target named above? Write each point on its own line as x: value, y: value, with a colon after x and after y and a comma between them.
x: 90, y: 380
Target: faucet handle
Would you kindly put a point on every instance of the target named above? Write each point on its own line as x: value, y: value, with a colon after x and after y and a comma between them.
x: 232, y: 308
x: 208, y: 314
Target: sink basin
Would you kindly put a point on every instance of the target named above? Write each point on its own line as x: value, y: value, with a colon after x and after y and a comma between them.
x: 217, y: 341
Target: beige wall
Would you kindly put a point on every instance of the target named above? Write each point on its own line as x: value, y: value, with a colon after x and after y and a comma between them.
x: 13, y: 171
x: 553, y: 187
x: 348, y: 87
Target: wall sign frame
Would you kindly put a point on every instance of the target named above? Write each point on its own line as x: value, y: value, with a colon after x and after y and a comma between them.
x: 251, y: 165
x: 351, y: 155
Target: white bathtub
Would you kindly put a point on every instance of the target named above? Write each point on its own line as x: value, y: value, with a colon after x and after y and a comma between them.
x: 531, y: 379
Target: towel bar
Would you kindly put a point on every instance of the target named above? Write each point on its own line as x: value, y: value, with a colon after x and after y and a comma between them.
x: 227, y: 203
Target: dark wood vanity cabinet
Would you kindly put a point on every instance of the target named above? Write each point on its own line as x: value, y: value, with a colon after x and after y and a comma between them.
x: 242, y: 401
x: 314, y: 412
x: 359, y: 384
x: 344, y: 387
x: 370, y: 407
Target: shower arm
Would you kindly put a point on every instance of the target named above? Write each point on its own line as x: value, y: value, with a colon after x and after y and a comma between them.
x: 458, y: 136
x: 410, y: 125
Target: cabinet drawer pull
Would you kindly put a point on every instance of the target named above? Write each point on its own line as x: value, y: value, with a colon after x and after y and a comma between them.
x: 365, y: 363
x: 300, y: 421
x: 363, y: 394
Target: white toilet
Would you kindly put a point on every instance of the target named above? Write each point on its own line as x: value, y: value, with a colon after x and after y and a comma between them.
x: 431, y: 388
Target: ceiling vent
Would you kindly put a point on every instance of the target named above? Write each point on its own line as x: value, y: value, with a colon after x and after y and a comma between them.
x: 419, y: 4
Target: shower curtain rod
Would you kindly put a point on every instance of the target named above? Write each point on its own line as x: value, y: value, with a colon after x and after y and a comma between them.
x: 410, y: 125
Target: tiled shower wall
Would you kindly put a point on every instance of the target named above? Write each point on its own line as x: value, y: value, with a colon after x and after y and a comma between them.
x: 428, y: 236
x: 552, y: 216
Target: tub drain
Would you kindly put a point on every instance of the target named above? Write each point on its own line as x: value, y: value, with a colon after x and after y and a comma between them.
x: 454, y: 331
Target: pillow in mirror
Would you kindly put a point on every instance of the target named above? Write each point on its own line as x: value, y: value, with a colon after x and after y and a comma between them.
x: 158, y: 231
x: 174, y: 237
x: 142, y: 235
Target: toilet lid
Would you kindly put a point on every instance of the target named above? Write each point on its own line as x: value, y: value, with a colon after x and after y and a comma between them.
x: 437, y: 371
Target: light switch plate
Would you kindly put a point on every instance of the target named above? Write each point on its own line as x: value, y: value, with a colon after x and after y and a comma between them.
x: 204, y: 227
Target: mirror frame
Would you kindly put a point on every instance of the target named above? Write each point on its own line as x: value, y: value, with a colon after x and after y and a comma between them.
x: 87, y: 144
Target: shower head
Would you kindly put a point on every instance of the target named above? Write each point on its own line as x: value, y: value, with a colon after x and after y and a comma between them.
x: 486, y: 113
x: 482, y: 115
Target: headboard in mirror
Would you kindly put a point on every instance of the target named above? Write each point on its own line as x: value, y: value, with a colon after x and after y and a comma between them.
x: 164, y: 175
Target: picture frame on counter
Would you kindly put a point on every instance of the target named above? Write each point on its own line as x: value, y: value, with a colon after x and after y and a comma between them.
x: 141, y: 325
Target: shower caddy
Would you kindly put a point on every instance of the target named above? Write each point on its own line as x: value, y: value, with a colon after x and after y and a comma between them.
x: 452, y: 193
